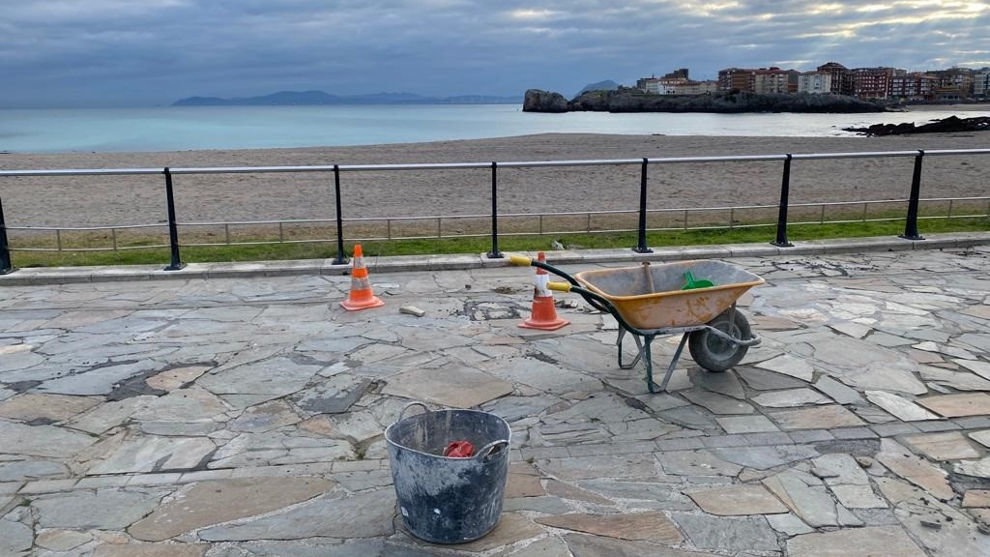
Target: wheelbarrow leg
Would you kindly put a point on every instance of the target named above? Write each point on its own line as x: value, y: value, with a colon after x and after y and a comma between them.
x: 639, y: 348
x: 670, y: 368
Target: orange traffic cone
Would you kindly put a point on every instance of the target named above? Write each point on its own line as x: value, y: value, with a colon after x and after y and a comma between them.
x: 544, y: 313
x: 361, y: 296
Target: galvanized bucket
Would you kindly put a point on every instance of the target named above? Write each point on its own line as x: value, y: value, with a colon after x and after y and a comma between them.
x: 442, y: 499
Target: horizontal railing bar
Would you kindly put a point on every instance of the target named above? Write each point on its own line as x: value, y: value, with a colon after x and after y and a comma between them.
x: 476, y: 165
x: 85, y: 228
x: 860, y: 155
x: 937, y: 152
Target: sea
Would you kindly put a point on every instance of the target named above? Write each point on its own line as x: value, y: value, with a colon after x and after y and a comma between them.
x: 172, y: 128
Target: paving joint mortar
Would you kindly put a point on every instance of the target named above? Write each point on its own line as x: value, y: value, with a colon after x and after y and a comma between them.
x: 228, y: 417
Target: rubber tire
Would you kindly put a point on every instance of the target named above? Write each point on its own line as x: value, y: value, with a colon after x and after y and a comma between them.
x: 701, y: 343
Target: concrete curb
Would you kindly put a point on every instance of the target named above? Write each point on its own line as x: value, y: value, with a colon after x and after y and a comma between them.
x: 411, y: 263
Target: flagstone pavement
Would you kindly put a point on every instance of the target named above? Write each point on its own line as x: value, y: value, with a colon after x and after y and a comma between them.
x: 245, y: 417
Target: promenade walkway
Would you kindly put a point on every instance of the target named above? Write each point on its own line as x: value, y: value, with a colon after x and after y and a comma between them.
x: 244, y: 416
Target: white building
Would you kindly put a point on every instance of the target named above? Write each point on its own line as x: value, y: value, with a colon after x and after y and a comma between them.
x: 815, y: 83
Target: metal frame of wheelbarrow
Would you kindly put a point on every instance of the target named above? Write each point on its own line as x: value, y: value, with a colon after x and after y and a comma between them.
x: 603, y: 304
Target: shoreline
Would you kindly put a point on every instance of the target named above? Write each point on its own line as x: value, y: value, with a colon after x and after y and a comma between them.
x: 118, y: 200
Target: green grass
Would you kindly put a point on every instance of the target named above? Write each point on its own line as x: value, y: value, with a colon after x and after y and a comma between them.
x: 761, y: 234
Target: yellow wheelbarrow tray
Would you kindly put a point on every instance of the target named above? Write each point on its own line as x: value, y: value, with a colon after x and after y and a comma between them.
x: 650, y: 300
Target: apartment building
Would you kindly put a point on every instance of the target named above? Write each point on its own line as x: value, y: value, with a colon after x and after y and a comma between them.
x: 815, y: 83
x: 737, y: 78
x: 775, y: 80
x: 914, y: 87
x: 955, y: 83
x: 873, y: 83
x: 841, y: 80
x: 981, y: 83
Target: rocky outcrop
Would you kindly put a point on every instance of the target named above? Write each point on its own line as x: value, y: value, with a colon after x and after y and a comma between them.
x: 635, y: 100
x: 537, y: 100
x: 946, y: 125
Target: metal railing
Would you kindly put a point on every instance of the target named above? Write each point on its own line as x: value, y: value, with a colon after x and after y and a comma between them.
x: 783, y: 206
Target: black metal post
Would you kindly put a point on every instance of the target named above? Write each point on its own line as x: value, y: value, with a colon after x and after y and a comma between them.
x: 911, y: 225
x: 641, y: 244
x: 5, y: 265
x: 341, y: 258
x: 495, y: 254
x: 173, y: 229
x: 785, y: 191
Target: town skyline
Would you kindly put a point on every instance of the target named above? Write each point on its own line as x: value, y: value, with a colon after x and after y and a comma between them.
x: 120, y: 53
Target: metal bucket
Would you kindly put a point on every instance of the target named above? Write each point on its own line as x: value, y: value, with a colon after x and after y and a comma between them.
x: 448, y: 500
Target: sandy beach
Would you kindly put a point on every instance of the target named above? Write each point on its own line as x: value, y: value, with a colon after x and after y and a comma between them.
x: 101, y: 200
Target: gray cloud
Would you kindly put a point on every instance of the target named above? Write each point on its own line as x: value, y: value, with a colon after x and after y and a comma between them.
x: 67, y: 52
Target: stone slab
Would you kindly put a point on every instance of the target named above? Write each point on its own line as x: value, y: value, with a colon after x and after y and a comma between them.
x: 950, y: 445
x: 54, y: 408
x: 206, y: 503
x: 737, y: 500
x: 746, y: 424
x: 365, y: 515
x: 764, y: 380
x: 626, y: 526
x: 591, y: 546
x: 915, y: 469
x: 42, y: 440
x: 727, y: 534
x: 955, y: 406
x: 791, y: 398
x: 899, y: 407
x: 789, y: 365
x: 104, y: 509
x: 155, y: 454
x: 454, y: 387
x: 821, y: 417
x: 858, y: 542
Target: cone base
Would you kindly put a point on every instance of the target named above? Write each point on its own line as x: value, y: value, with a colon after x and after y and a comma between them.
x: 544, y: 325
x: 374, y: 302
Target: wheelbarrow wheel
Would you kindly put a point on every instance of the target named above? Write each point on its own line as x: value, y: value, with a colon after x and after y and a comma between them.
x: 717, y: 354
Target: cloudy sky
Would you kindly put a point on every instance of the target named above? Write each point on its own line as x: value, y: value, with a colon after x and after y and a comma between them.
x: 152, y: 52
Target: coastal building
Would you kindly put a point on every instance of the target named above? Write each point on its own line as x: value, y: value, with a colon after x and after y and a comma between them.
x: 842, y: 78
x: 873, y: 83
x: 815, y: 83
x: 955, y: 83
x: 775, y: 80
x: 981, y: 83
x: 913, y: 87
x: 737, y: 78
x: 676, y: 83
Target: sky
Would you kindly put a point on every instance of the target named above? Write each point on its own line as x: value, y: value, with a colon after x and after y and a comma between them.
x: 74, y: 53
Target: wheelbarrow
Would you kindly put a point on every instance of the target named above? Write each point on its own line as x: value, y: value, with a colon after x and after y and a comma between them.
x: 654, y: 300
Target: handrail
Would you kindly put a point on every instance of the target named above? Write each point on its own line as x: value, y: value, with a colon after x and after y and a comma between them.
x: 477, y: 165
x: 911, y: 231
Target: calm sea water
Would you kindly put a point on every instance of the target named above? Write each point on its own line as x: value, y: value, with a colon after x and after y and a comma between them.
x: 236, y: 127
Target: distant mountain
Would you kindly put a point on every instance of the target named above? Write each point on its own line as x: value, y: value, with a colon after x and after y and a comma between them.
x: 306, y: 98
x: 607, y: 85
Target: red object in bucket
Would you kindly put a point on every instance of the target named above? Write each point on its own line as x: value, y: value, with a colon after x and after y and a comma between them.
x: 459, y: 449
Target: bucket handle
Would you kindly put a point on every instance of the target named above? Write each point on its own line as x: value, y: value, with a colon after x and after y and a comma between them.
x: 490, y: 449
x: 402, y: 413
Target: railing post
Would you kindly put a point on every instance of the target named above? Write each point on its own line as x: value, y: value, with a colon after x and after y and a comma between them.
x: 785, y: 191
x: 494, y: 254
x: 911, y: 225
x: 340, y: 259
x: 641, y: 246
x: 5, y: 266
x: 173, y: 229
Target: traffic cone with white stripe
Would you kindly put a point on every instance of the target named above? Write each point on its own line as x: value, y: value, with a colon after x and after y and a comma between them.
x: 544, y: 312
x: 360, y: 296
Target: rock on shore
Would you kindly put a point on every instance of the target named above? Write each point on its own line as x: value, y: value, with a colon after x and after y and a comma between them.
x: 945, y: 125
x: 634, y: 100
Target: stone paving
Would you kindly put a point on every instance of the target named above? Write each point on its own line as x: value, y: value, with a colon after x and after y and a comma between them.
x: 244, y: 417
